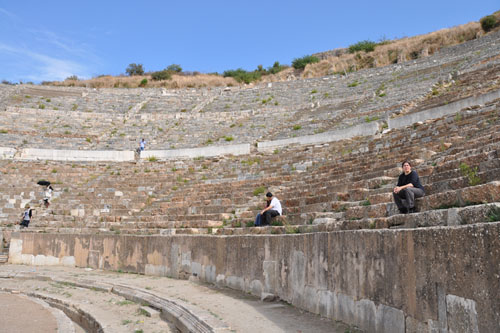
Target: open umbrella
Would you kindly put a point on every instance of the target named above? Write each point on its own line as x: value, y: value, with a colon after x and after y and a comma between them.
x: 43, y: 182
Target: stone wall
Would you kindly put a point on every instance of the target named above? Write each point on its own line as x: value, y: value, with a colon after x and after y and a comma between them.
x: 439, y: 279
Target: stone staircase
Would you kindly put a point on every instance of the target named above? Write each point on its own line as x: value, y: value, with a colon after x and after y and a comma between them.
x: 4, y: 250
x: 4, y: 256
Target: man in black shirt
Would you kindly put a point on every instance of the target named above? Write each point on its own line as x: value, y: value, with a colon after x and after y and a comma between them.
x: 408, y: 188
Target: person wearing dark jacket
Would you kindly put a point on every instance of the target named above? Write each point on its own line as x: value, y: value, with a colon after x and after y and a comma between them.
x: 26, y: 216
x: 408, y: 188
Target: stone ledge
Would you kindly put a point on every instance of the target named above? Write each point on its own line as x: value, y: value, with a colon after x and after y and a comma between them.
x: 241, y: 149
x: 440, y: 111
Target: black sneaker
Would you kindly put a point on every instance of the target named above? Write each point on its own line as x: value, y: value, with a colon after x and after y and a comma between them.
x: 403, y: 210
x: 412, y: 210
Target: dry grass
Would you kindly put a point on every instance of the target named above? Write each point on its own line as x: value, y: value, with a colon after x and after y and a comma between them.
x: 395, y: 51
x: 177, y: 81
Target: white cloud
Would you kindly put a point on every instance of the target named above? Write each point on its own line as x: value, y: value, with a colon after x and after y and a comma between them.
x: 57, y: 69
x: 47, y: 37
x: 42, y: 67
x: 7, y: 13
x: 34, y: 53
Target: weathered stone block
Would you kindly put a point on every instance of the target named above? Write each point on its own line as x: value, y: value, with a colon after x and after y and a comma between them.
x: 415, y: 326
x: 461, y: 314
x: 389, y: 319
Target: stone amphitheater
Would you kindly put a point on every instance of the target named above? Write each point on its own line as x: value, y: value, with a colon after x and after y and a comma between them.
x: 330, y: 148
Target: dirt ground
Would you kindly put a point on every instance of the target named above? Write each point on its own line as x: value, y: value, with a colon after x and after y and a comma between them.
x: 238, y: 311
x: 20, y: 314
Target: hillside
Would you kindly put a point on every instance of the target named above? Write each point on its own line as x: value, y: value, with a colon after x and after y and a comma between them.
x: 338, y: 61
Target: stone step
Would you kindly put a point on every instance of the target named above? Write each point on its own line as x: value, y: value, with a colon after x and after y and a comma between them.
x: 4, y: 257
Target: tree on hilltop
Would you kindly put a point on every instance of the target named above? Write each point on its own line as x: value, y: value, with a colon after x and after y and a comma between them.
x: 174, y: 68
x: 134, y: 69
x: 488, y: 23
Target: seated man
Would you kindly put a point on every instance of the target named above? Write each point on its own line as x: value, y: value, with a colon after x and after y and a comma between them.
x: 408, y: 188
x: 273, y: 208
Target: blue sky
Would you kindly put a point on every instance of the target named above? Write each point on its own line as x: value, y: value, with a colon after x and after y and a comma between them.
x: 51, y: 40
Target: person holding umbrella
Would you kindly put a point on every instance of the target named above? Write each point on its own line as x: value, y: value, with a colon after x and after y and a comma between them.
x: 47, y: 193
x: 47, y: 196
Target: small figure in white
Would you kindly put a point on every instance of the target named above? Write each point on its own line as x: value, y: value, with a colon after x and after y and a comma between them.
x: 47, y: 195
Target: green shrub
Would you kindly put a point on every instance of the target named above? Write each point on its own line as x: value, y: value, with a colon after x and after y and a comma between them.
x: 470, y: 174
x: 152, y: 159
x: 259, y: 190
x: 370, y: 119
x: 292, y: 230
x: 297, y: 127
x: 276, y: 68
x: 301, y: 63
x: 174, y: 68
x: 276, y: 223
x: 249, y: 224
x: 161, y: 75
x: 242, y: 75
x: 488, y: 22
x: 365, y: 45
x: 494, y: 214
x: 143, y: 83
x: 134, y: 69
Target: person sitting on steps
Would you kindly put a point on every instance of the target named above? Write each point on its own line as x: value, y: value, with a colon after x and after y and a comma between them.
x: 273, y: 209
x: 408, y: 188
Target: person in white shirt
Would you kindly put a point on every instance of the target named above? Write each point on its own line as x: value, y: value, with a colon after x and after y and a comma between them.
x: 47, y: 196
x: 272, y: 210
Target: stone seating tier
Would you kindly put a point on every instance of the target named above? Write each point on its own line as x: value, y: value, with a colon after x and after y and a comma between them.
x: 432, y: 218
x: 331, y: 186
x: 116, y: 119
